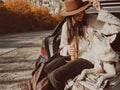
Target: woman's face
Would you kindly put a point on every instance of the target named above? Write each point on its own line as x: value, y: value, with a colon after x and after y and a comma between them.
x: 79, y: 16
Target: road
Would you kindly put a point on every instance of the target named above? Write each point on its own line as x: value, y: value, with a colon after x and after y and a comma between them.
x: 11, y: 41
x: 18, y: 54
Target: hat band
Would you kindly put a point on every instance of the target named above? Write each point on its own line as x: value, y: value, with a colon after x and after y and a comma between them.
x: 71, y: 5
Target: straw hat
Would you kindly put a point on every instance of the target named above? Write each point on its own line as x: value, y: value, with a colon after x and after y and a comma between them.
x: 74, y: 6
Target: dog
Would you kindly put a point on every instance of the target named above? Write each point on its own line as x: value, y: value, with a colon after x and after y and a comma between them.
x: 106, y: 60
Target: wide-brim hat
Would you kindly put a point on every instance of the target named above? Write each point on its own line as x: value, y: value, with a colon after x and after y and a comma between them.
x: 74, y: 6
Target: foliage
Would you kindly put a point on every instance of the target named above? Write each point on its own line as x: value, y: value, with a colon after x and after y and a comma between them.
x: 18, y: 6
x: 25, y: 17
x: 2, y: 7
x: 57, y: 16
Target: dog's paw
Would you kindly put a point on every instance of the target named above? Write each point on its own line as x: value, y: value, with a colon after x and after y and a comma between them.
x: 80, y: 77
x: 97, y: 85
x: 99, y: 82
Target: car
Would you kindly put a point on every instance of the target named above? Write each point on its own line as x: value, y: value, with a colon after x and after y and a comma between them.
x: 51, y: 43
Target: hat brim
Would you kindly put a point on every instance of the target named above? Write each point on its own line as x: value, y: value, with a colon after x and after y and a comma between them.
x: 69, y: 13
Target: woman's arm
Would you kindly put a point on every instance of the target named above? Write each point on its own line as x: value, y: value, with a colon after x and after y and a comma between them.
x: 112, y: 23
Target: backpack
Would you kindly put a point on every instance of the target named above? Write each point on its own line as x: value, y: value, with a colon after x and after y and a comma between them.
x: 40, y: 80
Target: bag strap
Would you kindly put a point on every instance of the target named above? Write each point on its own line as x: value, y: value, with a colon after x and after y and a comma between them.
x: 54, y: 55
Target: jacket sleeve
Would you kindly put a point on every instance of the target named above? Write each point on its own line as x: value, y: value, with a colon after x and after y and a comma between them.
x: 63, y: 42
x: 111, y: 23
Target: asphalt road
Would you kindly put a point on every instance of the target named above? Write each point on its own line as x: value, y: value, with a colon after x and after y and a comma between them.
x: 18, y: 54
x: 11, y: 41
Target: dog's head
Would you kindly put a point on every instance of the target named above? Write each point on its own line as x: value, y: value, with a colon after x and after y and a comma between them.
x: 103, y: 49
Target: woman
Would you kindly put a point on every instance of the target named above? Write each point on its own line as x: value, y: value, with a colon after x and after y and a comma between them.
x: 78, y: 29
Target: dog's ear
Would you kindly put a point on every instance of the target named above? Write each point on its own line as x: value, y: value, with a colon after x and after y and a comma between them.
x: 110, y: 39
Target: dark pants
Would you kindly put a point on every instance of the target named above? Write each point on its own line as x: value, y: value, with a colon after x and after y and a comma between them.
x: 65, y: 71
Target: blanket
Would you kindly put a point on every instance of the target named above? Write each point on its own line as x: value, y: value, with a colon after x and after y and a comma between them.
x: 90, y: 81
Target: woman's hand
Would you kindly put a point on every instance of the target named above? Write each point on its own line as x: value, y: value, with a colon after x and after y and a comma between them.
x: 96, y: 4
x: 71, y: 50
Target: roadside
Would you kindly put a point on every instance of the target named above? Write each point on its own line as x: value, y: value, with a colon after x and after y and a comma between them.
x: 16, y: 66
x: 10, y: 42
